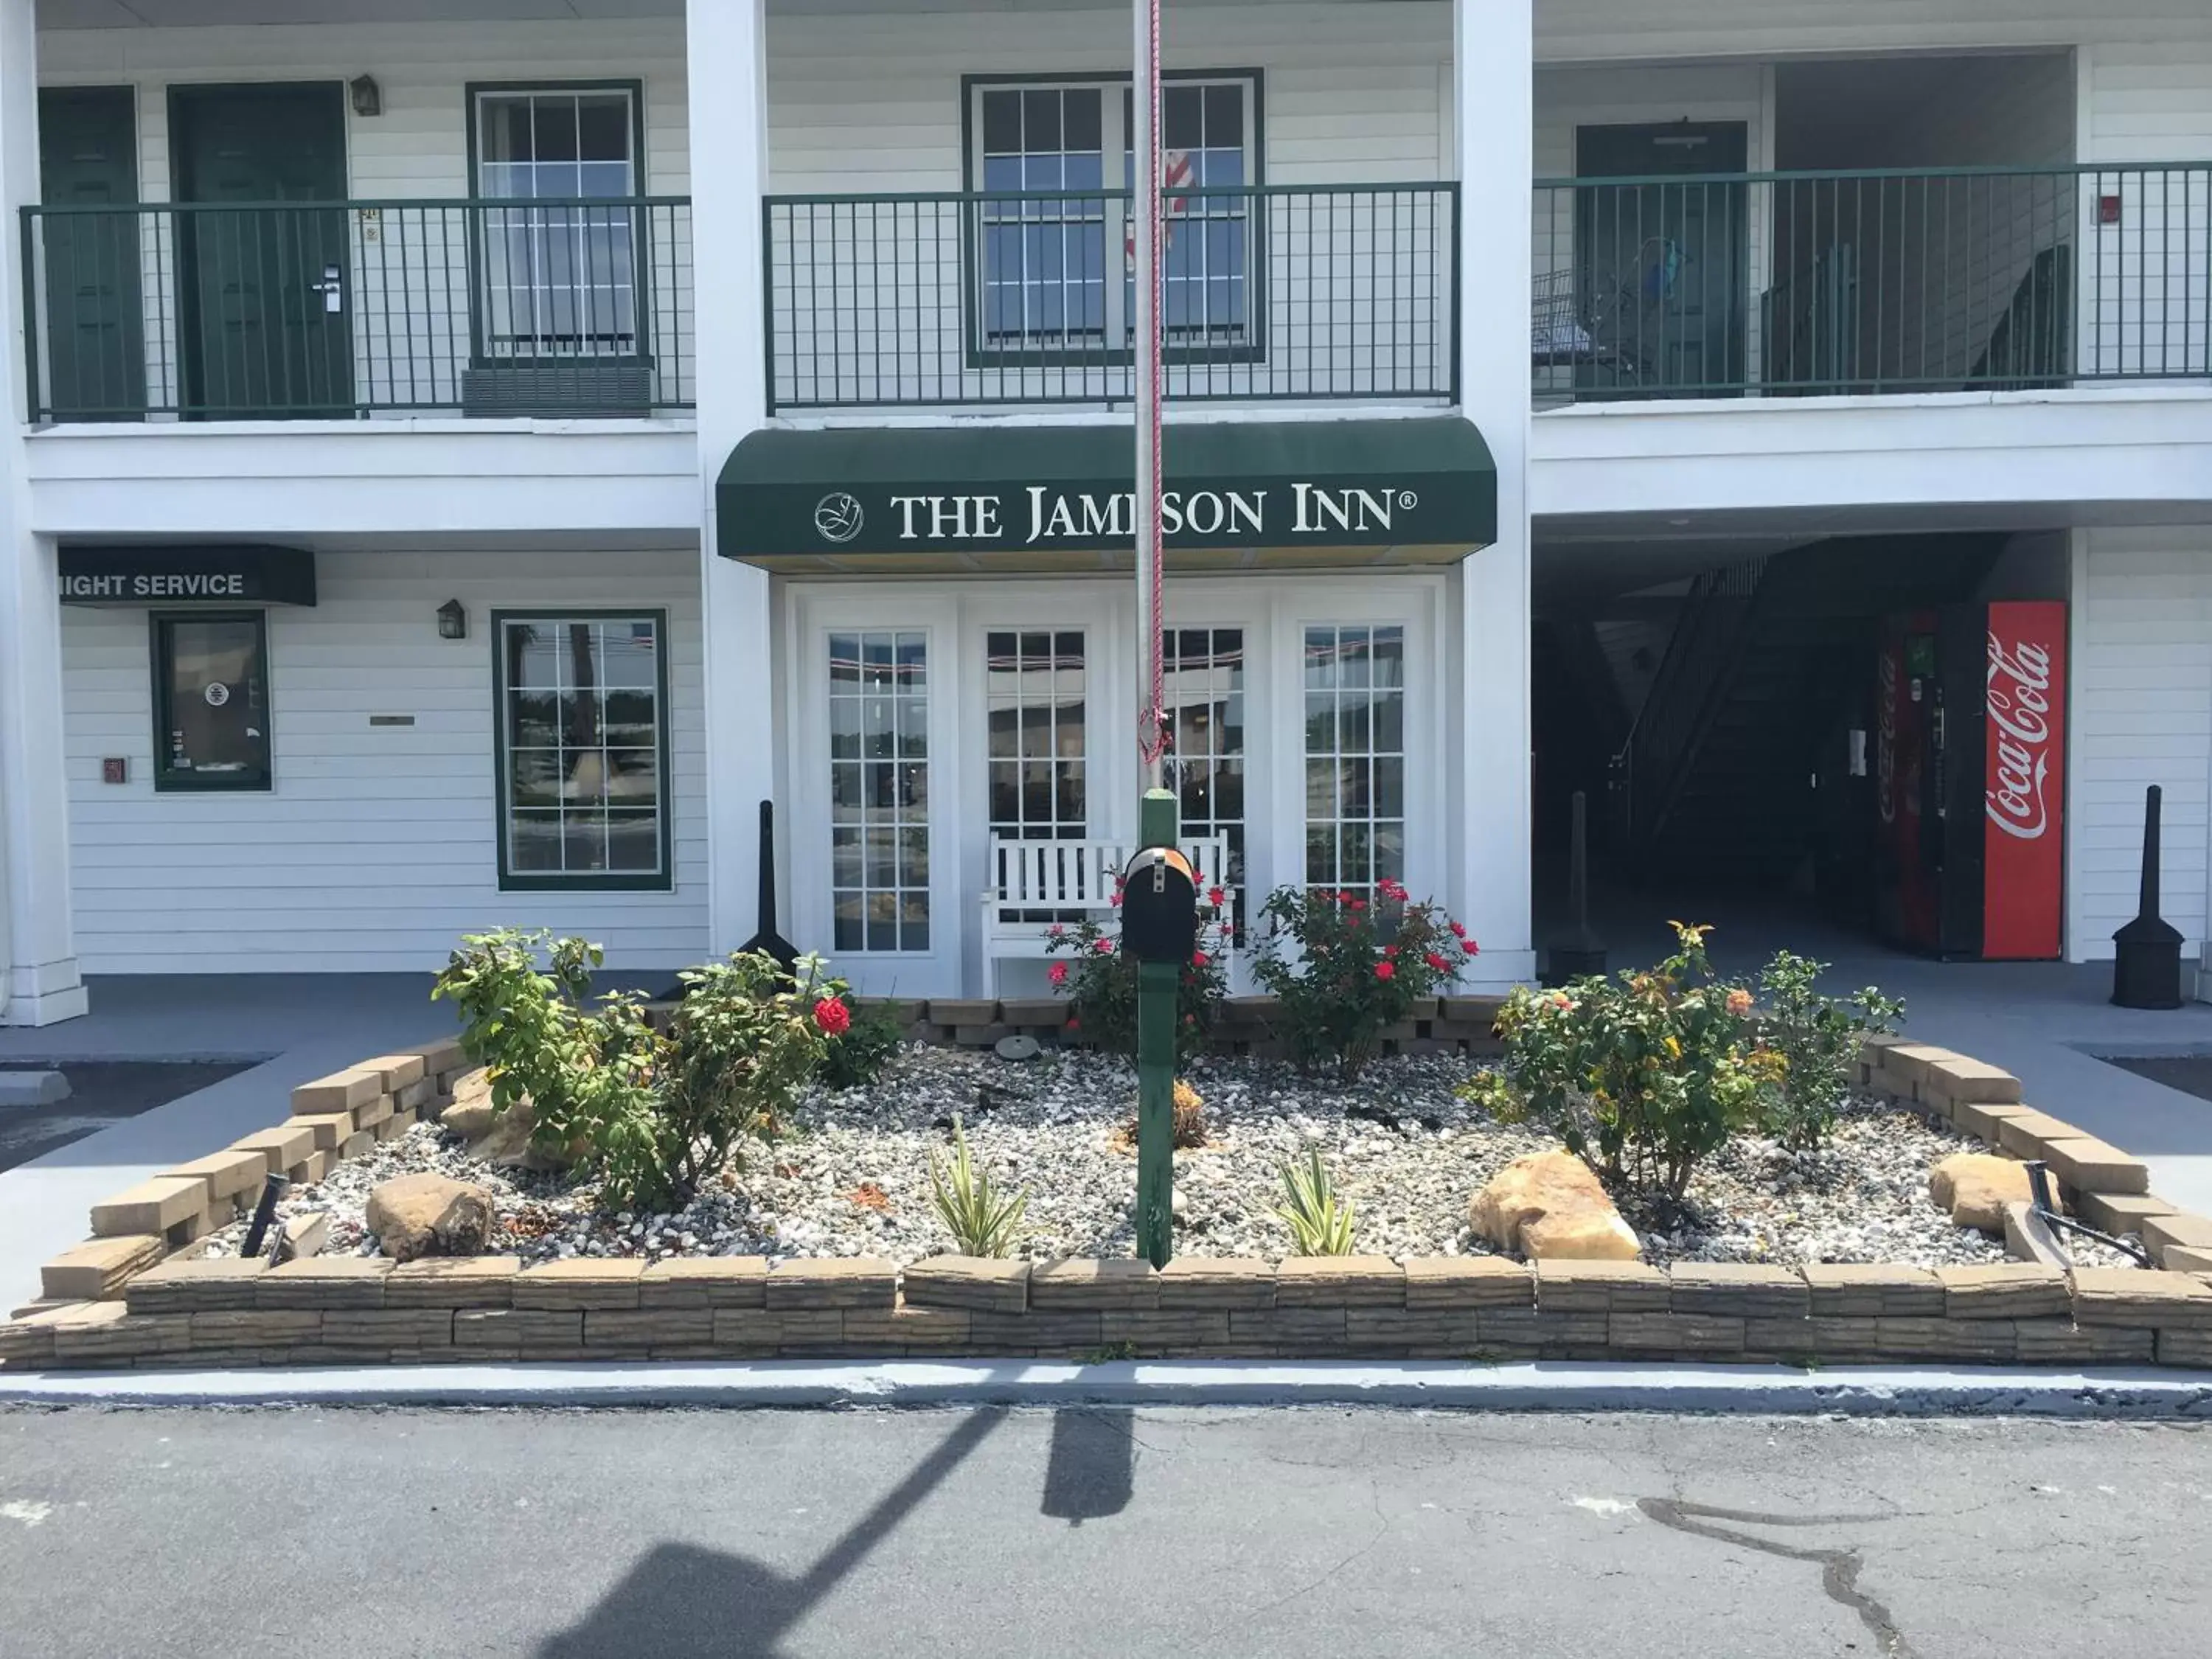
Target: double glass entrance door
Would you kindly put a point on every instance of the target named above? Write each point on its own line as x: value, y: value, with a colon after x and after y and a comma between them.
x: 941, y: 723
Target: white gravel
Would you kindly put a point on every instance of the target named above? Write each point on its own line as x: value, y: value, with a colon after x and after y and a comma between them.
x: 851, y: 1177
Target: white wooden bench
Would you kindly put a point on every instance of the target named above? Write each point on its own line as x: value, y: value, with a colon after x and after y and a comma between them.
x: 1032, y: 884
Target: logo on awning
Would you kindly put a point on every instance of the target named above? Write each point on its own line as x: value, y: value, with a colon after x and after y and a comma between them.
x: 838, y: 517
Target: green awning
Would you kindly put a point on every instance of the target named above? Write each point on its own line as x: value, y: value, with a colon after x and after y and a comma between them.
x: 1268, y: 495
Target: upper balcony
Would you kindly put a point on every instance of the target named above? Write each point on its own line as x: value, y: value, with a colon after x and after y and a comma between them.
x: 1292, y: 293
x: 1870, y: 283
x: 567, y: 307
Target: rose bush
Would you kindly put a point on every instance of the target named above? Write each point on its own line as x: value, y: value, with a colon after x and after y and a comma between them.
x: 652, y: 1111
x: 1347, y: 969
x: 1643, y: 1074
x: 1100, y: 983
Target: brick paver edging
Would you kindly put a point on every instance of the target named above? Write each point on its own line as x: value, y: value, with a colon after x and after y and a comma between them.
x: 146, y: 1299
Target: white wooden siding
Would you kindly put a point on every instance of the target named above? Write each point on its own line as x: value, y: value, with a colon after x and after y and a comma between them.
x: 376, y: 850
x: 410, y: 284
x: 2141, y: 713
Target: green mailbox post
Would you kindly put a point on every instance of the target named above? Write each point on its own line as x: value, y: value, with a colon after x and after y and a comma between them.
x: 1159, y: 929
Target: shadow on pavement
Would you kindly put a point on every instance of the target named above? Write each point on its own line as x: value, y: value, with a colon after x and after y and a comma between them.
x: 682, y: 1600
x: 1091, y: 1470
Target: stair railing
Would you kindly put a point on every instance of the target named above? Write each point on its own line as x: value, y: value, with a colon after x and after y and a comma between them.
x: 1646, y: 776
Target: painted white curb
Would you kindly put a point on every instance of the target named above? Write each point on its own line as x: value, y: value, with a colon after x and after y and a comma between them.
x: 1563, y: 1387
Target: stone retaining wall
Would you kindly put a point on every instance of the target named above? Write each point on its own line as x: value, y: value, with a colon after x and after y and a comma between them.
x: 355, y: 1310
x: 139, y: 1293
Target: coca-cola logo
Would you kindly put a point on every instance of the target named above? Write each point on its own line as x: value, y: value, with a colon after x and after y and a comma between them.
x: 1884, y: 746
x: 2019, y: 710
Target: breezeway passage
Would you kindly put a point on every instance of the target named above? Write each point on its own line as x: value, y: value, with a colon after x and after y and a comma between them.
x: 1321, y: 1532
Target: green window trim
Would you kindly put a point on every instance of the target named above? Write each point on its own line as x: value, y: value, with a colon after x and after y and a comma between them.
x: 513, y: 881
x: 1252, y: 348
x: 482, y: 354
x: 174, y: 780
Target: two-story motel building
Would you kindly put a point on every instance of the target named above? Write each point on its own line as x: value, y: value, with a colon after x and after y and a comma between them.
x: 461, y: 459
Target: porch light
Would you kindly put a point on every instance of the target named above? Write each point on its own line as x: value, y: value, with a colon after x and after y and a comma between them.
x: 452, y: 621
x: 367, y: 100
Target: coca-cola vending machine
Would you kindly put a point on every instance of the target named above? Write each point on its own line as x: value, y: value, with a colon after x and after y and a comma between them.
x: 1970, y: 767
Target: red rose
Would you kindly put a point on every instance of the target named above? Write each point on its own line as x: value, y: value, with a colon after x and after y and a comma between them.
x: 1104, y: 947
x: 1438, y: 961
x: 1216, y: 897
x: 1355, y: 904
x: 1386, y: 970
x: 833, y: 1017
x: 1056, y: 931
x: 1390, y: 951
x: 1469, y: 946
x: 1116, y: 899
x: 1057, y: 973
x: 1459, y: 929
x: 1199, y: 959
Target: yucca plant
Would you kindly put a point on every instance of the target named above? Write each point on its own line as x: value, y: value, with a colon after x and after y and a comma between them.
x: 982, y: 1220
x: 1319, y: 1220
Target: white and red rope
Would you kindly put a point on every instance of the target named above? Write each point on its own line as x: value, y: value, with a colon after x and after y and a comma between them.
x: 1152, y: 726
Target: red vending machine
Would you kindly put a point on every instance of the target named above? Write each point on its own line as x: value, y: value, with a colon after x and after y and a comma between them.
x: 1970, y: 767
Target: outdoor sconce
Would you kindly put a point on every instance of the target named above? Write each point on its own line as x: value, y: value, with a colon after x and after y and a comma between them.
x: 367, y: 96
x: 452, y: 621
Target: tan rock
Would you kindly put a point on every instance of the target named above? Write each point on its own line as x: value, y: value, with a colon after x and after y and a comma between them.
x: 418, y: 1215
x: 471, y: 1114
x: 1553, y: 1205
x: 499, y: 1138
x: 1975, y: 1187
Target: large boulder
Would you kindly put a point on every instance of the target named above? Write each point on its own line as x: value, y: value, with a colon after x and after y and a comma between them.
x: 1552, y: 1205
x: 1975, y: 1187
x: 419, y: 1215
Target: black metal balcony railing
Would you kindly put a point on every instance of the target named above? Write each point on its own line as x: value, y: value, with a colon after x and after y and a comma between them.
x: 1892, y: 281
x: 1279, y: 292
x: 342, y: 309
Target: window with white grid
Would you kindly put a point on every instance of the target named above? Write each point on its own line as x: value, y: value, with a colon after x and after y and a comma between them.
x: 1355, y: 693
x: 1204, y: 669
x: 1056, y: 271
x: 583, y: 750
x: 1034, y: 689
x: 879, y: 790
x: 560, y: 279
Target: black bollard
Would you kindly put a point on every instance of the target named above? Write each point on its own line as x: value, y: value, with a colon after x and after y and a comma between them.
x: 2147, y: 957
x: 1579, y: 951
x: 768, y: 939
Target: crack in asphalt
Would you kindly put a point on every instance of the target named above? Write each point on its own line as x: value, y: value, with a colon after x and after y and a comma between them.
x: 1839, y: 1569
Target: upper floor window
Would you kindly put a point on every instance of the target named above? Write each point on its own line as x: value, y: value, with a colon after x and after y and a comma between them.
x: 559, y: 279
x: 1056, y: 274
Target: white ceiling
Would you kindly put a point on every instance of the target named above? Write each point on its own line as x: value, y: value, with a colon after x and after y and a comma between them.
x: 204, y: 14
x: 208, y: 14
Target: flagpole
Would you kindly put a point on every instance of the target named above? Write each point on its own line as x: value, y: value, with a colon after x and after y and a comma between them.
x: 1157, y: 981
x: 1144, y: 149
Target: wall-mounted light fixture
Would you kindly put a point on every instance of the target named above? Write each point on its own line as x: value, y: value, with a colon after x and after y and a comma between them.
x: 367, y: 96
x: 452, y: 621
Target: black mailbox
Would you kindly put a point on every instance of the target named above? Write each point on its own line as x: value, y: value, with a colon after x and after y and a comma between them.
x: 1159, y: 907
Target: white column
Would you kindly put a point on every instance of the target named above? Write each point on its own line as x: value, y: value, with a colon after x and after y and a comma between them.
x: 1493, y: 53
x: 727, y: 56
x: 38, y: 981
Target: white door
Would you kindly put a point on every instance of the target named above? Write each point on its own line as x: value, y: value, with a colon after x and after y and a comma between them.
x: 875, y: 769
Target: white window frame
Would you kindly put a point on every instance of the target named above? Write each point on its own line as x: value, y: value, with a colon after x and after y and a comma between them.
x: 1112, y: 339
x: 540, y: 224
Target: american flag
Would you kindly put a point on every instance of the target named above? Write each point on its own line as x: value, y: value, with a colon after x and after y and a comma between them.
x: 1175, y: 174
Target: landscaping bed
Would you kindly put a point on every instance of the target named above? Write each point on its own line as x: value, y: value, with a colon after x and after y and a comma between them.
x: 1783, y: 1180
x: 850, y: 1175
